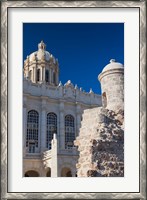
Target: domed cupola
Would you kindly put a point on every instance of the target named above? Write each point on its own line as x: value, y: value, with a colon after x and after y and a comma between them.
x: 42, y: 67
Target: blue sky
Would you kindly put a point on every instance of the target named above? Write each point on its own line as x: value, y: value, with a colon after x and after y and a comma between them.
x: 82, y: 49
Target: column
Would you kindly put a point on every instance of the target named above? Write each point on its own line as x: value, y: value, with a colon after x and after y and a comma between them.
x: 57, y: 82
x: 50, y: 74
x: 43, y: 126
x: 35, y: 74
x: 43, y: 73
x: 24, y: 127
x: 78, y: 124
x: 61, y: 126
x: 27, y: 72
x: 32, y: 74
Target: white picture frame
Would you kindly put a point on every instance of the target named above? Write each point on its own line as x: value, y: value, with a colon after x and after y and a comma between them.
x: 6, y: 110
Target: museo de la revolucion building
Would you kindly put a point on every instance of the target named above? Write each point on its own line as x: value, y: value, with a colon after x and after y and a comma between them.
x: 52, y: 113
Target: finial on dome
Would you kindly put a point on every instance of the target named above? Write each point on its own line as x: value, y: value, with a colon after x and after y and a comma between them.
x: 60, y: 83
x: 90, y: 90
x: 42, y: 45
x: 69, y: 82
x: 76, y: 86
x: 112, y: 60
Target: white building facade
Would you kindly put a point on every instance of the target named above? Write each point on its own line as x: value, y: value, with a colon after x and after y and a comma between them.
x: 52, y: 115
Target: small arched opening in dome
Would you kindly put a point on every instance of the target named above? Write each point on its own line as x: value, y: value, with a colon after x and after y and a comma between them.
x: 104, y: 99
x: 38, y: 74
x: 47, y: 76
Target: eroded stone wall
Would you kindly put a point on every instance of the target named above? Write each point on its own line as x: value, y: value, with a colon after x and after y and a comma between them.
x: 101, y: 143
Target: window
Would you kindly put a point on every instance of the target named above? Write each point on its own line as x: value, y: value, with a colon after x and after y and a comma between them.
x: 51, y: 128
x: 31, y: 147
x: 69, y: 131
x: 38, y: 74
x: 47, y: 76
x: 32, y: 130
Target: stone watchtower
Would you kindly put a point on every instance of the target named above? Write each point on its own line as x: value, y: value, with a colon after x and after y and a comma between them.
x: 112, y: 85
x: 101, y: 138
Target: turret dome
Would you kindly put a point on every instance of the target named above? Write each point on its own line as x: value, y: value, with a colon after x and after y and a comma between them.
x: 113, y: 65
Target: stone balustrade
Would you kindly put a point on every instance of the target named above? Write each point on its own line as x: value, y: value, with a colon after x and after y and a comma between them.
x: 66, y: 92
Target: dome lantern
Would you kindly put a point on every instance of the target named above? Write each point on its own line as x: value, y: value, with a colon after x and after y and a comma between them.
x: 42, y: 45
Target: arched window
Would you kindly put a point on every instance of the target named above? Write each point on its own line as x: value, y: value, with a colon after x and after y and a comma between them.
x: 38, y: 74
x: 32, y: 130
x: 51, y: 128
x: 47, y: 76
x: 69, y: 131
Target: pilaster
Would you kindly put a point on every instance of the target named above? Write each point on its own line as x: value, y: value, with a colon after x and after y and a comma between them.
x: 78, y: 119
x: 24, y: 125
x: 57, y: 78
x: 50, y: 74
x: 43, y: 73
x: 35, y: 73
x: 61, y: 125
x: 43, y: 126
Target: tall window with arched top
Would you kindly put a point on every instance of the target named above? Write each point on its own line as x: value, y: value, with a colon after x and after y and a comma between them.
x: 51, y: 128
x: 69, y: 131
x: 38, y: 74
x: 47, y: 75
x: 32, y: 130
